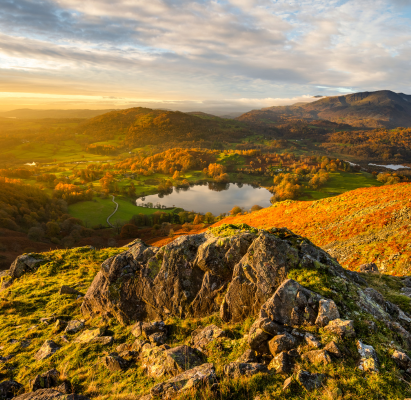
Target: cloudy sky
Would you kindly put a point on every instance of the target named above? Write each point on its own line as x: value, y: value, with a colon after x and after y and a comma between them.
x: 199, y: 55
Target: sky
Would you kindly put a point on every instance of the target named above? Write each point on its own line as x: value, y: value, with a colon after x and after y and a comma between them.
x: 224, y: 56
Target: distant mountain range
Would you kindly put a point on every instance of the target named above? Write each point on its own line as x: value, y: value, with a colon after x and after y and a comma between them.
x: 383, y: 108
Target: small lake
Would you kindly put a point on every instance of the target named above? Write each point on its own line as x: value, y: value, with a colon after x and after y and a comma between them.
x: 391, y: 166
x: 213, y: 197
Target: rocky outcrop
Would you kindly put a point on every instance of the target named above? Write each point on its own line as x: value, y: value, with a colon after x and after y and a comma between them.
x: 193, y: 275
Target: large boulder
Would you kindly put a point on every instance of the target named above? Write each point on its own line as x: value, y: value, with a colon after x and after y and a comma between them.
x: 234, y: 270
x: 292, y: 305
x: 369, y: 359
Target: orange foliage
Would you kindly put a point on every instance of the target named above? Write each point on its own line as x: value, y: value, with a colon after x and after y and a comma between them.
x: 378, y: 215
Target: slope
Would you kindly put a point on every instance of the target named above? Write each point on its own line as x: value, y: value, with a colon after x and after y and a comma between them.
x: 382, y: 108
x: 144, y: 126
x: 360, y: 226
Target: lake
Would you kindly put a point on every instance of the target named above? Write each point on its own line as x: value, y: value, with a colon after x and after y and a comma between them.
x: 213, y: 197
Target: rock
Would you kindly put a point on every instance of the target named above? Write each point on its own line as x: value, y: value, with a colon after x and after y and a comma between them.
x: 68, y: 290
x: 5, y: 283
x: 148, y: 328
x: 9, y: 389
x: 23, y: 264
x: 333, y: 349
x: 369, y: 268
x: 407, y: 282
x: 158, y: 362
x: 287, y: 383
x: 369, y: 359
x: 138, y: 345
x: 401, y: 359
x: 256, y: 277
x: 74, y: 326
x: 49, y: 394
x: 282, y: 363
x: 342, y: 328
x: 291, y: 305
x: 206, y: 336
x: 124, y: 347
x: 129, y: 355
x: 65, y: 387
x: 261, y: 332
x: 200, y: 376
x: 114, y: 362
x: 189, y: 276
x: 46, y: 350
x: 281, y: 343
x: 249, y: 356
x: 317, y: 357
x: 89, y: 335
x: 311, y: 340
x: 44, y: 381
x: 237, y: 369
x: 60, y: 325
x: 310, y: 381
x: 327, y: 312
x: 157, y: 338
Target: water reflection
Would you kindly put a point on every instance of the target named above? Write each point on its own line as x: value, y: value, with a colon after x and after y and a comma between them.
x: 214, y: 197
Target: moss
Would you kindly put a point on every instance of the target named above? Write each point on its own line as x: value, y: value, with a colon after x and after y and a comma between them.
x: 228, y: 230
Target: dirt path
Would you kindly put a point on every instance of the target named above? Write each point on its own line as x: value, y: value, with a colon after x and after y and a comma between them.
x: 108, y: 218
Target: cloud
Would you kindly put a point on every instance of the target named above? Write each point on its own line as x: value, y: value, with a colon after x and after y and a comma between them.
x: 206, y: 50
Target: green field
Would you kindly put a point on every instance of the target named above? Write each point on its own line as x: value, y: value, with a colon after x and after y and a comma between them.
x: 95, y: 212
x: 341, y: 182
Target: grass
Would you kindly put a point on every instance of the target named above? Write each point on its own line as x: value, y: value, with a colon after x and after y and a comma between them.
x: 35, y: 296
x: 95, y: 212
x: 341, y: 182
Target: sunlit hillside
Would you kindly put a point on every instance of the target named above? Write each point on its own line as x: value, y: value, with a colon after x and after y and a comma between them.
x: 363, y: 225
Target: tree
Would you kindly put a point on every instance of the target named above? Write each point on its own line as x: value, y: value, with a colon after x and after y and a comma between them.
x: 235, y: 210
x: 209, y: 217
x: 256, y: 208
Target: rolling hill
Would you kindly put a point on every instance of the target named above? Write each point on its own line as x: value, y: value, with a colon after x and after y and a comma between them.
x: 382, y: 108
x: 144, y: 126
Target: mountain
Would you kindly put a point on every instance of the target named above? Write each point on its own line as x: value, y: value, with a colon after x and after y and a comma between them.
x: 382, y: 108
x: 26, y: 113
x: 144, y: 126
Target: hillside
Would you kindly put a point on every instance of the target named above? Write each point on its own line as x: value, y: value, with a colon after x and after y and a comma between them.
x: 367, y: 109
x: 144, y: 126
x: 233, y: 313
x: 360, y: 226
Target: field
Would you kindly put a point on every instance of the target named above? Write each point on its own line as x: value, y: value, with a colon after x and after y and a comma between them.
x: 341, y: 182
x: 94, y: 213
